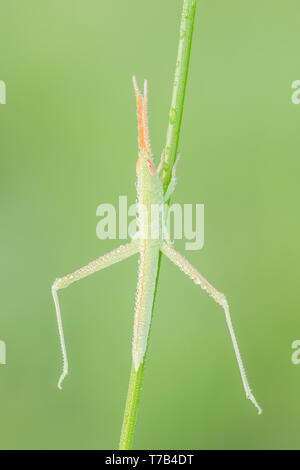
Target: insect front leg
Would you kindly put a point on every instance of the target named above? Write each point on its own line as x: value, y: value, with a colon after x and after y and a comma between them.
x: 112, y: 257
x: 195, y: 276
x: 161, y: 162
x: 172, y: 184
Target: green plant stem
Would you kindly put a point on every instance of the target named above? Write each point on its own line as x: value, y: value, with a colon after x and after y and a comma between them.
x: 179, y: 86
x: 173, y: 132
x: 132, y: 401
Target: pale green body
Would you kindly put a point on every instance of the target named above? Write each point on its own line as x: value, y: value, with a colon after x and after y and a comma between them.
x: 150, y: 197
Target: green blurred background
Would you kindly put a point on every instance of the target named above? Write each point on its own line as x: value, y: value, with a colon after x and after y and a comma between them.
x: 69, y: 142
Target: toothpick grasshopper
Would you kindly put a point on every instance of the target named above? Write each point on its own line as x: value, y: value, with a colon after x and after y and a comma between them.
x: 148, y: 243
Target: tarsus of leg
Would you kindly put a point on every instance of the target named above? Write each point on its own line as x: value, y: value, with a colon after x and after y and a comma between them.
x: 112, y: 257
x: 61, y: 338
x: 246, y: 385
x: 195, y: 276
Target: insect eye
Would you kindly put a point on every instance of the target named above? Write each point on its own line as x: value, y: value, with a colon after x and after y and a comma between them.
x: 151, y: 168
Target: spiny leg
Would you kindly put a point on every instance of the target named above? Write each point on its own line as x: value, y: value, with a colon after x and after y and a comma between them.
x: 161, y: 161
x: 193, y: 274
x: 169, y: 191
x: 112, y: 257
x: 172, y: 184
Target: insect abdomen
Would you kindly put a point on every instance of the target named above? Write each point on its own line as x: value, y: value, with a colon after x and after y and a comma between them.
x: 145, y: 291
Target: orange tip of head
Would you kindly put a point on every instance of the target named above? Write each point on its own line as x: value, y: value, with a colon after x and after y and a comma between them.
x: 141, y: 105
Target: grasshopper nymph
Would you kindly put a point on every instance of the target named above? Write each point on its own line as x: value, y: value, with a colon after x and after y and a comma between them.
x: 150, y: 193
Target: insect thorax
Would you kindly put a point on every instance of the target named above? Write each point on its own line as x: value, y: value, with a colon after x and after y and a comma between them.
x: 150, y: 202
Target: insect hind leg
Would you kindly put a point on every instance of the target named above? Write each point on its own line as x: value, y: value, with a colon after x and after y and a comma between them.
x: 198, y: 279
x: 112, y: 257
